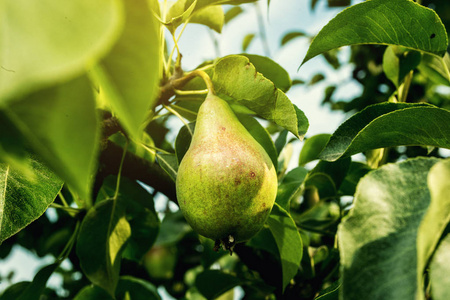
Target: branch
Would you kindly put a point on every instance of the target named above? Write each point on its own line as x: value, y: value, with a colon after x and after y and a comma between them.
x: 135, y: 168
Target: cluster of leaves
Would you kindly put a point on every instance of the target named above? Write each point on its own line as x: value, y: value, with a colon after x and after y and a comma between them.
x: 82, y: 121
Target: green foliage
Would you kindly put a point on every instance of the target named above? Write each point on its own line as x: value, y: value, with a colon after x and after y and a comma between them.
x: 88, y: 94
x: 23, y: 199
x: 377, y: 126
x: 377, y: 22
x: 381, y: 231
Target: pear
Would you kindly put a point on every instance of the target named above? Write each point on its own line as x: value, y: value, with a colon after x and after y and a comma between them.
x: 226, y: 183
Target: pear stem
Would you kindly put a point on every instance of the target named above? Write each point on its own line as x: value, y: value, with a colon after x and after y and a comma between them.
x: 206, y: 79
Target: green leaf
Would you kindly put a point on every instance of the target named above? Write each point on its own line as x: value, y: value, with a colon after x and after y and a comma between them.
x: 436, y: 68
x: 436, y: 218
x: 316, y: 78
x: 13, y: 147
x: 213, y: 283
x: 178, y: 13
x: 135, y: 148
x: 439, y: 270
x: 34, y: 290
x: 183, y: 141
x: 136, y: 289
x: 330, y: 293
x: 288, y: 241
x: 36, y: 49
x: 281, y: 140
x: 62, y: 127
x: 173, y: 228
x: 232, y: 13
x: 23, y: 200
x: 93, y: 292
x: 396, y: 22
x: 102, y: 239
x: 290, y: 186
x: 378, y: 240
x: 14, y: 291
x: 270, y: 70
x: 312, y: 148
x: 236, y: 77
x: 247, y: 41
x: 140, y: 214
x: 168, y: 163
x: 397, y: 63
x: 211, y: 16
x: 387, y: 125
x: 326, y: 177
x: 356, y: 171
x: 290, y: 36
x: 129, y: 75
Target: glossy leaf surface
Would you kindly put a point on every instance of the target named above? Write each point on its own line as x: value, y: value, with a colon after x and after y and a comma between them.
x: 387, y: 125
x: 378, y: 240
x: 288, y: 241
x: 383, y: 22
x: 236, y: 77
x: 23, y: 200
x: 102, y: 239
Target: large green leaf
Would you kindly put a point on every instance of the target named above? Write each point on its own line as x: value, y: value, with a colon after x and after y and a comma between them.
x: 213, y: 283
x: 378, y: 240
x: 13, y: 146
x: 271, y: 70
x: 290, y: 186
x: 390, y: 124
x: 436, y: 68
x: 312, y: 148
x: 356, y: 171
x: 437, y: 217
x: 34, y: 290
x: 395, y: 22
x: 288, y: 241
x: 173, y: 228
x: 23, y: 200
x: 236, y: 77
x: 397, y: 63
x: 439, y: 270
x: 136, y: 289
x: 129, y: 75
x: 140, y: 214
x: 93, y: 292
x: 211, y: 16
x: 102, y: 239
x: 44, y: 41
x: 61, y: 125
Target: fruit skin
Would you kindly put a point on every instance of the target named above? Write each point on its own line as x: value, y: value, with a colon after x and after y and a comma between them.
x: 226, y: 183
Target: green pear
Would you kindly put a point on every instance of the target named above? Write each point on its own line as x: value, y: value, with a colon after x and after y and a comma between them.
x: 226, y: 183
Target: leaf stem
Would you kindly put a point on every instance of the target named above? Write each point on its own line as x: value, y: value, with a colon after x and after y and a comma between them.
x: 71, y: 210
x: 68, y: 247
x: 404, y: 88
x: 63, y: 200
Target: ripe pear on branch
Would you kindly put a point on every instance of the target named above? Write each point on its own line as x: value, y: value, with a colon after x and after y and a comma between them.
x: 226, y: 182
